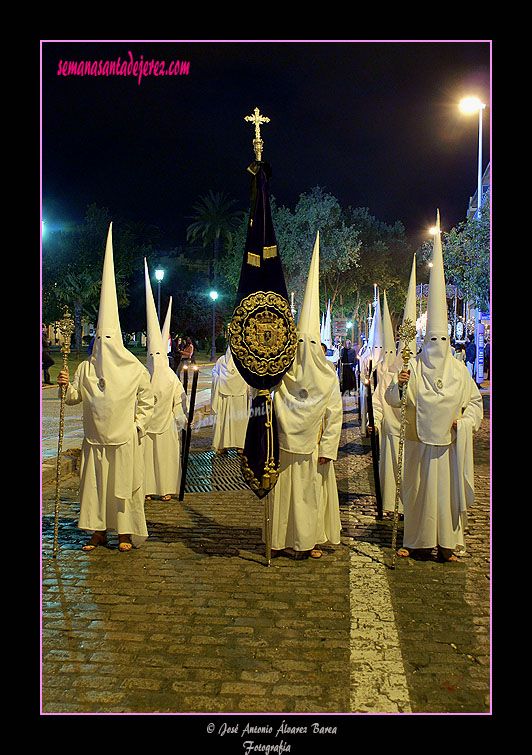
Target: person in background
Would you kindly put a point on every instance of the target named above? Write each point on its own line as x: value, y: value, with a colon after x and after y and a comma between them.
x: 487, y: 360
x: 47, y: 360
x: 470, y: 355
x: 229, y: 405
x: 187, y: 355
x: 459, y: 353
x: 347, y: 361
x: 177, y: 345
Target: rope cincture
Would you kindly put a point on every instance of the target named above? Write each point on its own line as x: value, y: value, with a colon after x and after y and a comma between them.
x: 270, y: 474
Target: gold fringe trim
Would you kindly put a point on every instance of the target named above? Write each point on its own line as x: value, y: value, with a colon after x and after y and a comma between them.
x: 253, y: 259
x: 269, y: 251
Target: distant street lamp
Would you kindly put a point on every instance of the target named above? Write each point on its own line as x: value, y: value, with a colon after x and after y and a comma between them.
x: 159, y: 275
x: 214, y: 296
x: 352, y: 326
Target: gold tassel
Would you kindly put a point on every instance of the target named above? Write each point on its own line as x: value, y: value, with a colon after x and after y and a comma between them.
x: 269, y: 251
x: 253, y: 259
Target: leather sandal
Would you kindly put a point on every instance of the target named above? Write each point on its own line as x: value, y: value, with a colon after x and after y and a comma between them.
x: 97, y: 539
x: 124, y: 543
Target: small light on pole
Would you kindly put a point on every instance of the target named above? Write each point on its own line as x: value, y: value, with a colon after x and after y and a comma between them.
x: 214, y: 296
x: 159, y: 275
x: 472, y: 105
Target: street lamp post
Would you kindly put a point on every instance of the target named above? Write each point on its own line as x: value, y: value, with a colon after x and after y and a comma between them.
x: 214, y: 296
x: 159, y: 274
x: 471, y: 105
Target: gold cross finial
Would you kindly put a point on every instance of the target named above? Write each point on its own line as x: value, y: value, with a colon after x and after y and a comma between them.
x: 407, y: 333
x: 257, y: 119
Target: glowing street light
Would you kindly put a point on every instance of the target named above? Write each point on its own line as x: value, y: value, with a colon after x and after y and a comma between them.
x: 471, y: 105
x: 159, y: 275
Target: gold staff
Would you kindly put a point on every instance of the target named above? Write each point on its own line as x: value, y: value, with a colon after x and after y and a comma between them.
x: 66, y: 328
x: 407, y: 332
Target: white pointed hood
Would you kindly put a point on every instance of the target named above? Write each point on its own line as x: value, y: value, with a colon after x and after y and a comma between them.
x: 163, y: 378
x: 388, y: 340
x: 226, y: 379
x: 409, y: 312
x: 307, y: 384
x: 375, y: 339
x: 165, y: 330
x: 114, y: 372
x: 435, y: 385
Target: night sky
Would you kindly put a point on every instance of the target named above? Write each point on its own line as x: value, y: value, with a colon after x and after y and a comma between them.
x: 375, y: 123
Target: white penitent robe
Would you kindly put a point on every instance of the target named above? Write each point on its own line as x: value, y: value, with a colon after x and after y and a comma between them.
x: 111, y: 469
x: 438, y: 477
x: 329, y: 525
x: 162, y: 447
x: 229, y: 404
x: 388, y: 423
x: 308, y: 407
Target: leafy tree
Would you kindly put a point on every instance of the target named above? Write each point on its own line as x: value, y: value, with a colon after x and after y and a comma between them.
x: 296, y: 234
x: 356, y: 251
x: 385, y: 260
x: 72, y: 264
x: 339, y: 245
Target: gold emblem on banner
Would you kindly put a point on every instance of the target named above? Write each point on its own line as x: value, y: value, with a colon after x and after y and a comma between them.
x: 262, y: 333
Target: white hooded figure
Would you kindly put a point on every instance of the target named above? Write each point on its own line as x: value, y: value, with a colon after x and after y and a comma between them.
x: 308, y: 407
x: 387, y: 417
x: 114, y: 388
x: 229, y: 405
x: 162, y: 448
x: 444, y: 409
x: 369, y: 358
x: 165, y: 332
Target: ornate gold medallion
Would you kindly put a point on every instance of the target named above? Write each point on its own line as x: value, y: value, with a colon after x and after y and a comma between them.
x: 262, y: 333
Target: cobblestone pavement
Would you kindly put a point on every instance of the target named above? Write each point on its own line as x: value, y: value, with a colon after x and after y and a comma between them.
x: 195, y: 622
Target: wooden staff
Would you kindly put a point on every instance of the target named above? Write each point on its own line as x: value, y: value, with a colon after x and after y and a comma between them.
x: 184, y: 431
x: 374, y: 444
x: 195, y: 370
x: 267, y: 531
x: 66, y: 328
x: 407, y: 332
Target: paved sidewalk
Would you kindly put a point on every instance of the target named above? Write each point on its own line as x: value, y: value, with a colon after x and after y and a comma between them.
x: 194, y: 622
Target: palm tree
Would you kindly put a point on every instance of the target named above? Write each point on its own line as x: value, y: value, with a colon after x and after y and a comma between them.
x: 215, y: 221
